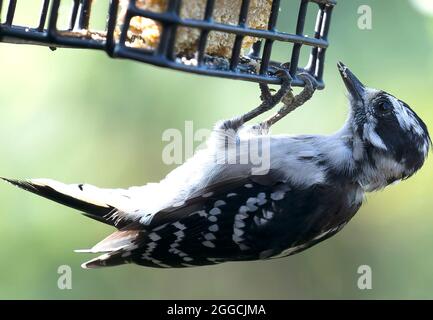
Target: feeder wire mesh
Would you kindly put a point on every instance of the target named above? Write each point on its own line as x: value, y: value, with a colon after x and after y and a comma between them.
x: 256, y: 66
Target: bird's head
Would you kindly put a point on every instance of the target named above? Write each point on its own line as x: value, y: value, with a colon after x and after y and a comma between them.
x: 390, y: 141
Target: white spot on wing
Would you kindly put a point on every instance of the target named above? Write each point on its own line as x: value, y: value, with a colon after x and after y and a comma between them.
x: 213, y: 228
x: 160, y: 227
x: 208, y: 244
x: 251, y: 206
x: 212, y: 219
x: 238, y: 232
x: 154, y: 237
x: 237, y: 239
x: 215, y: 211
x: 179, y: 225
x: 277, y: 195
x: 209, y: 236
x: 243, y: 209
x: 179, y: 237
x: 202, y: 213
x: 219, y: 203
x: 261, y: 198
x: 268, y: 214
x: 251, y: 201
x: 239, y: 224
x: 179, y: 234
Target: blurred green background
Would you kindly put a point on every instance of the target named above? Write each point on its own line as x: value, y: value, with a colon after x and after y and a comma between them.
x: 78, y: 116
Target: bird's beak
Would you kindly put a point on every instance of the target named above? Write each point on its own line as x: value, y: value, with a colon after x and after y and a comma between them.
x: 353, y: 85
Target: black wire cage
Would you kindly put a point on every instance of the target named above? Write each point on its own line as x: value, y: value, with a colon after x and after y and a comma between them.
x: 256, y: 65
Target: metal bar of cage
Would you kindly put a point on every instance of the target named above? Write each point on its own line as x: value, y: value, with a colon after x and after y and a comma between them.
x: 77, y: 35
x: 168, y: 37
x: 43, y: 15
x: 85, y: 14
x: 210, y: 5
x: 169, y: 18
x: 266, y: 57
x: 74, y: 14
x: 237, y: 47
x: 299, y: 31
x: 11, y: 12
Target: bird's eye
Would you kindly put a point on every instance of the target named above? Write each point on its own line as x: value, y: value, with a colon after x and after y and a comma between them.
x: 384, y: 106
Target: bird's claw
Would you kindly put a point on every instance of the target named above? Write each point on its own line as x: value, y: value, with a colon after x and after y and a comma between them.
x: 292, y: 102
x: 269, y: 100
x: 284, y: 75
x: 310, y: 86
x: 286, y: 80
x: 310, y: 81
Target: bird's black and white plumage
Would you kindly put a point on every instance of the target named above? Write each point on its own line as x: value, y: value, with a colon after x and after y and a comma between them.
x: 208, y: 211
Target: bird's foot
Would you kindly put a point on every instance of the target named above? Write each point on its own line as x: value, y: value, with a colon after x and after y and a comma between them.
x: 269, y: 101
x: 292, y: 102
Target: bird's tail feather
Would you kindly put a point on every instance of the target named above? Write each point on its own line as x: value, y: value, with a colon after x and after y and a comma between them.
x: 117, y: 248
x: 109, y: 259
x: 93, y: 202
x: 86, y: 198
x: 124, y: 239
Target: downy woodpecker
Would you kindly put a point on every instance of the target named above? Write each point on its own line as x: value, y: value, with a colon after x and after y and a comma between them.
x: 208, y: 211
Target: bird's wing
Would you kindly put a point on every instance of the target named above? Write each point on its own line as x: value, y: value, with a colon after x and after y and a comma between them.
x: 214, y: 192
x: 242, y: 219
